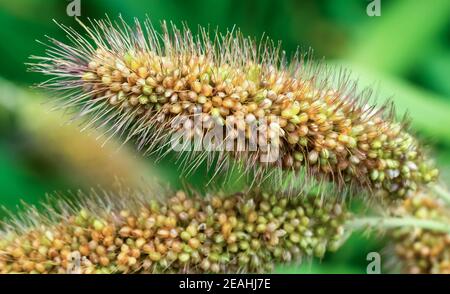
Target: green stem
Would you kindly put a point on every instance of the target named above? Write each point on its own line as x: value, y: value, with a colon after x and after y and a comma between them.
x: 396, y: 222
x: 442, y: 193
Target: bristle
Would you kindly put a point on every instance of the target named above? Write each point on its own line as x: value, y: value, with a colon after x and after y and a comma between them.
x: 150, y: 87
x: 134, y: 233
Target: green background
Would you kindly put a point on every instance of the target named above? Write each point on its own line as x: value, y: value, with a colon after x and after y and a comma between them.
x: 403, y: 54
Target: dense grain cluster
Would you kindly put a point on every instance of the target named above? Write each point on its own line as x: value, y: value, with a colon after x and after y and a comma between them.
x: 140, y: 82
x: 180, y: 234
x: 421, y: 250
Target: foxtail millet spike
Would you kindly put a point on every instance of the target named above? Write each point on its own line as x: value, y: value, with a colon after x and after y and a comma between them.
x: 139, y: 83
x: 134, y: 233
x: 422, y: 251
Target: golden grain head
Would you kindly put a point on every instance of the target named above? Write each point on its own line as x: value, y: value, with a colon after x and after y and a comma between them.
x: 148, y: 86
x: 422, y: 251
x: 132, y: 233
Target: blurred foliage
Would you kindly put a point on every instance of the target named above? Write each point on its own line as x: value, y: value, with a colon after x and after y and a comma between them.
x: 46, y: 153
x: 404, y: 54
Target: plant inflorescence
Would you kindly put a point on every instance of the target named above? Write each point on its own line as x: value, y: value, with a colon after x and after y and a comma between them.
x: 423, y: 250
x: 228, y: 101
x: 142, y: 84
x: 136, y: 233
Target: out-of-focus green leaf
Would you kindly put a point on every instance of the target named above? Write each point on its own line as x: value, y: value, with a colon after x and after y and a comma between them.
x: 402, y: 35
x: 429, y: 113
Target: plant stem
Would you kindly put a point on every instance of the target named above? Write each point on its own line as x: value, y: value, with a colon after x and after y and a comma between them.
x: 395, y: 222
x: 442, y: 193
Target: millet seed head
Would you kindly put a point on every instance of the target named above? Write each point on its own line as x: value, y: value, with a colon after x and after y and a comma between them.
x: 422, y: 251
x: 148, y: 86
x: 134, y: 233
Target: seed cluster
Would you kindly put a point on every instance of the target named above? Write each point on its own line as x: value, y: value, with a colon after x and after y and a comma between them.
x: 141, y: 82
x: 181, y: 234
x: 423, y: 251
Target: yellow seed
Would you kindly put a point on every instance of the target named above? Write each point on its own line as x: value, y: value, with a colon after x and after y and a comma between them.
x: 196, y: 86
x: 176, y: 108
x: 89, y: 76
x: 142, y: 72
